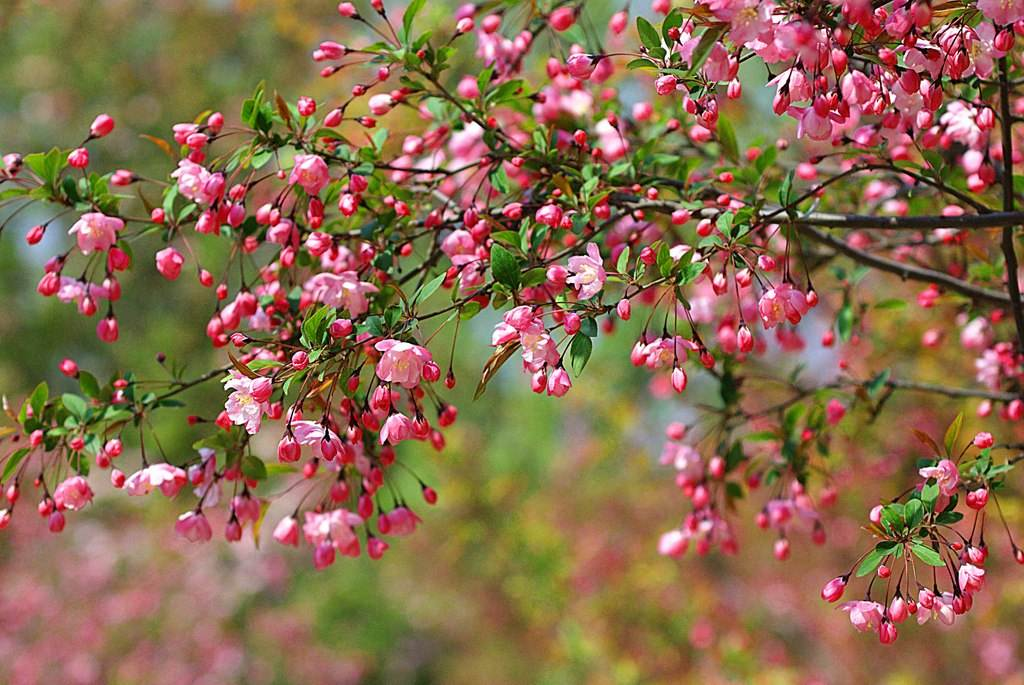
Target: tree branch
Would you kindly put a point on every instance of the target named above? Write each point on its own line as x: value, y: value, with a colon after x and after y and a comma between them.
x: 907, y: 271
x: 1012, y: 279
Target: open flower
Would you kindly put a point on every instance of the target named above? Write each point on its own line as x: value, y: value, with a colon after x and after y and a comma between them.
x: 588, y: 272
x: 310, y: 172
x: 783, y: 303
x: 73, y: 493
x: 402, y: 362
x: 249, y: 401
x: 342, y: 291
x: 945, y: 474
x: 96, y: 232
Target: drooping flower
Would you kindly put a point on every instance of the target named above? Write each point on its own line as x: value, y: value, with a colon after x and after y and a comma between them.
x: 324, y: 442
x: 342, y: 291
x: 402, y: 362
x: 249, y: 401
x: 73, y: 493
x: 287, y: 531
x: 96, y: 232
x: 399, y: 521
x: 782, y: 303
x: 169, y: 479
x: 864, y: 615
x: 196, y: 182
x: 332, y: 528
x: 946, y: 475
x: 310, y: 172
x: 588, y: 272
x: 194, y: 527
x: 1002, y: 11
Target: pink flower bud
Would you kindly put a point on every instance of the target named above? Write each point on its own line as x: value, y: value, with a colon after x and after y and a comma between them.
x: 169, y: 262
x: 101, y: 126
x: 78, y: 158
x: 833, y: 589
x: 562, y: 18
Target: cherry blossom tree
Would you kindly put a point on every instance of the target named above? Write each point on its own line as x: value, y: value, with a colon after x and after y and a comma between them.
x: 528, y: 187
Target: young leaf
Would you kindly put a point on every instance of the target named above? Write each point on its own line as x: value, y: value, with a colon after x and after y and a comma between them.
x: 505, y: 267
x: 410, y: 14
x: 648, y: 34
x: 727, y: 138
x: 953, y: 433
x: 579, y: 352
x: 926, y: 554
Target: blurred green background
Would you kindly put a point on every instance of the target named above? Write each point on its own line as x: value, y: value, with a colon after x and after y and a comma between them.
x: 539, y: 563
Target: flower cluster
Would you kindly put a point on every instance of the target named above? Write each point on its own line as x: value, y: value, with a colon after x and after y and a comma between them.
x: 531, y: 186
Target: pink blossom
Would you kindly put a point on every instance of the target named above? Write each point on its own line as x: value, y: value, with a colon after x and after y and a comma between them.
x: 96, y: 232
x: 865, y: 616
x: 287, y: 531
x: 324, y: 442
x: 397, y: 427
x: 782, y: 303
x: 558, y: 383
x: 73, y: 493
x: 169, y: 479
x: 673, y: 543
x: 198, y: 184
x: 193, y: 526
x: 169, y: 262
x: 341, y: 291
x: 1002, y: 11
x: 971, y: 578
x: 332, y: 528
x: 588, y: 272
x: 399, y: 521
x: 310, y: 172
x: 938, y: 607
x: 834, y: 411
x: 381, y: 104
x: 833, y: 589
x: 248, y: 403
x: 401, y: 362
x: 946, y: 475
x: 581, y: 66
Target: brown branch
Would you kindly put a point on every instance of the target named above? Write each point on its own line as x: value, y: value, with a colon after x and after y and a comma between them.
x: 1012, y: 282
x: 859, y: 221
x: 907, y: 271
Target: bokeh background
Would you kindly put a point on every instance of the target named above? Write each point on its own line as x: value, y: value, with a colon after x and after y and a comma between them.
x: 539, y: 563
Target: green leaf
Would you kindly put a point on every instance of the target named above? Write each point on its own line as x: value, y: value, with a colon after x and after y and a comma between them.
x: 913, y: 513
x: 703, y: 49
x: 89, y: 385
x: 727, y: 137
x: 12, y: 463
x: 253, y: 467
x: 314, y: 328
x: 623, y: 261
x: 37, y: 400
x: 953, y: 433
x: 926, y: 554
x: 930, y: 493
x: 505, y: 267
x: 410, y: 14
x: 786, y: 194
x: 844, y: 322
x: 874, y: 558
x: 648, y: 34
x: 892, y: 303
x: 74, y: 404
x: 429, y: 288
x: 579, y: 352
